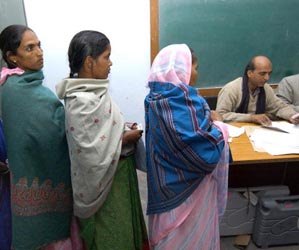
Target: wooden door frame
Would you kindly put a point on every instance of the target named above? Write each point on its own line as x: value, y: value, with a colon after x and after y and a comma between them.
x: 154, y: 22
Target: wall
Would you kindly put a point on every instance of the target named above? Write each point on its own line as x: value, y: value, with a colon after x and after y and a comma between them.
x: 127, y: 25
x: 11, y: 12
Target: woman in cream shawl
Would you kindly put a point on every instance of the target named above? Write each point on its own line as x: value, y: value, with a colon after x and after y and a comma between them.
x: 105, y: 188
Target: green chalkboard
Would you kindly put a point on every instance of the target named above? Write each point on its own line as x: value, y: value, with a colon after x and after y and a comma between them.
x: 225, y: 34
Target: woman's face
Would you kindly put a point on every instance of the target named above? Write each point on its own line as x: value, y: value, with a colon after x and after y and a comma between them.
x: 194, y: 73
x: 101, y: 65
x: 29, y: 55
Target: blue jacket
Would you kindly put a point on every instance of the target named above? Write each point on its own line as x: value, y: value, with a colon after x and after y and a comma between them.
x: 182, y: 144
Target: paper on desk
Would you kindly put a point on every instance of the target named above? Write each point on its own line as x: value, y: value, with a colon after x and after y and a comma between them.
x: 249, y: 130
x: 274, y: 142
x: 286, y: 126
x: 234, y: 131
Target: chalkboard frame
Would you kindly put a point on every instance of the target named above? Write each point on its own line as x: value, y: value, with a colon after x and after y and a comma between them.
x: 154, y: 15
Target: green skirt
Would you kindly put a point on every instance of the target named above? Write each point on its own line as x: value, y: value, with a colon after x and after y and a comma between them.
x: 119, y: 223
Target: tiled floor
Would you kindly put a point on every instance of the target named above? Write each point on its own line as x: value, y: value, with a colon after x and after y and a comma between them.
x: 227, y: 243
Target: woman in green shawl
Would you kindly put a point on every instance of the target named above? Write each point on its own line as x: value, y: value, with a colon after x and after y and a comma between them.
x: 33, y: 119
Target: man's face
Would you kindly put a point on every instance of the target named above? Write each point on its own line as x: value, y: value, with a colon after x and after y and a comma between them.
x: 261, y: 74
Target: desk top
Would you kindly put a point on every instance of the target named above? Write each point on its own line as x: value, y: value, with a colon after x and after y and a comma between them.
x: 243, y: 152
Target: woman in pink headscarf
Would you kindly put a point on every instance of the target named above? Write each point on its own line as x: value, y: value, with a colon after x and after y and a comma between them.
x: 187, y: 156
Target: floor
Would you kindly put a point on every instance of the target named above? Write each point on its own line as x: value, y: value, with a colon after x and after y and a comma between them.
x: 227, y: 243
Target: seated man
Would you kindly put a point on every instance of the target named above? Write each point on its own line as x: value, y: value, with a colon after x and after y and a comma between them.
x: 288, y: 91
x: 251, y: 99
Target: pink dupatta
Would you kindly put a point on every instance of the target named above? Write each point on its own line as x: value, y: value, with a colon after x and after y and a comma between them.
x: 5, y: 72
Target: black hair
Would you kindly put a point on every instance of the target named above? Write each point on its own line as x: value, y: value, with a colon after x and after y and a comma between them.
x: 249, y: 66
x: 85, y: 43
x: 10, y: 40
x: 193, y: 56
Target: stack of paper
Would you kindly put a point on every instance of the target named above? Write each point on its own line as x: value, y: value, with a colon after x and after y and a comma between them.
x: 276, y: 142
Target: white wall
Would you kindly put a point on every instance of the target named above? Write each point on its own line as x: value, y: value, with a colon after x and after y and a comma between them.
x: 126, y: 24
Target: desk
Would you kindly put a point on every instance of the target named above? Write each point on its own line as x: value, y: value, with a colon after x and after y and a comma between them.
x: 250, y: 168
x: 243, y: 152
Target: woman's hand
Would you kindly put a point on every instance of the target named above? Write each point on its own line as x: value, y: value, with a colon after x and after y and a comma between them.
x: 215, y: 116
x: 131, y: 136
x: 3, y: 168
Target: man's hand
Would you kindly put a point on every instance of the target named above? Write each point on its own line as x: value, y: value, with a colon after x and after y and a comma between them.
x: 295, y: 119
x: 261, y: 119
